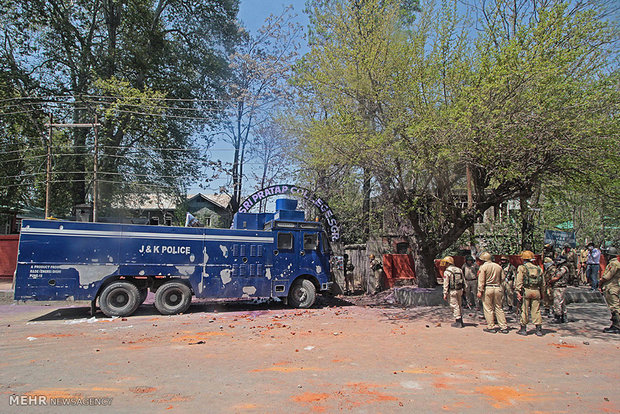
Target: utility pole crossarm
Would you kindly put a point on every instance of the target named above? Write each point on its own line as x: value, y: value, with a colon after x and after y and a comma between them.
x: 74, y: 125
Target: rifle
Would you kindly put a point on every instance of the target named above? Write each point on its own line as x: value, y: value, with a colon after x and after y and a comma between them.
x: 520, y: 301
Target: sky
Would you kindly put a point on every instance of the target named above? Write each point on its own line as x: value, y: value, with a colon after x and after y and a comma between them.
x: 252, y: 13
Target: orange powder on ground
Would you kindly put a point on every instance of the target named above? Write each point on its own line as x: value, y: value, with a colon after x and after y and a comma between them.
x: 502, y: 397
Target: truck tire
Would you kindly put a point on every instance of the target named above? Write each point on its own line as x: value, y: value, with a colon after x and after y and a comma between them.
x: 172, y: 298
x: 302, y: 294
x: 144, y: 292
x: 119, y: 299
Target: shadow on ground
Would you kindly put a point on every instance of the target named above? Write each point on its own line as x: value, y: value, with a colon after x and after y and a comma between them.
x: 197, y: 306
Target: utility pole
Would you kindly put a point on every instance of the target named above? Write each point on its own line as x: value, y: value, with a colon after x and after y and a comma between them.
x: 48, y: 169
x: 51, y: 125
x: 95, y: 166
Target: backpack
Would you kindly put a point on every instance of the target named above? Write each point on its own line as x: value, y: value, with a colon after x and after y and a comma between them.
x: 457, y: 281
x: 532, y: 280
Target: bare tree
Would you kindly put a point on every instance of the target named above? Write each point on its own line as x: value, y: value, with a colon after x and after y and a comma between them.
x: 261, y: 66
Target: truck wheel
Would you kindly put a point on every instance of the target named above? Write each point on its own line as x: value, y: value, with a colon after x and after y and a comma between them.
x: 143, y: 294
x: 119, y: 299
x: 302, y: 294
x: 172, y: 298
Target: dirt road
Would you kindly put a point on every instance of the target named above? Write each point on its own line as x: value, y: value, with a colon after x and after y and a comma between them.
x: 269, y: 359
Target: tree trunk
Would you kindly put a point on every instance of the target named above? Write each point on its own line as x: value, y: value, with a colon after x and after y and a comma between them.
x: 366, y: 204
x: 526, y: 224
x: 424, y: 261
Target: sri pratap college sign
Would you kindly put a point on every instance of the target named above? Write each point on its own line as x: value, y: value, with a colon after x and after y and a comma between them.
x: 560, y: 238
x: 280, y: 189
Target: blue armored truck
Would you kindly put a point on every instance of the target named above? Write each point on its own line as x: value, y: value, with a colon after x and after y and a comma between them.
x: 263, y: 255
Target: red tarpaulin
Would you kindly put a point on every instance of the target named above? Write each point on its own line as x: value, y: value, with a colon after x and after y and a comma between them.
x: 398, y: 268
x: 8, y: 254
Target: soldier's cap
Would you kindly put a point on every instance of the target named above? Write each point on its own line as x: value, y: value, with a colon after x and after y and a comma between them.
x: 548, y: 260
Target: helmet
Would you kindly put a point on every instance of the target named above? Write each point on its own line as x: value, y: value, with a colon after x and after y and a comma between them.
x: 371, y: 256
x: 486, y: 256
x: 470, y: 259
x: 548, y: 260
x: 447, y: 259
x: 527, y: 255
x: 612, y: 251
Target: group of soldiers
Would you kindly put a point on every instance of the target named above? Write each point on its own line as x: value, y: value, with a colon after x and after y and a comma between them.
x: 374, y: 279
x: 522, y: 289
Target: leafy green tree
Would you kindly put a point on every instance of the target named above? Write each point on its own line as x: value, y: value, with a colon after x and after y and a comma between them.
x: 20, y: 140
x: 155, y: 69
x: 419, y: 105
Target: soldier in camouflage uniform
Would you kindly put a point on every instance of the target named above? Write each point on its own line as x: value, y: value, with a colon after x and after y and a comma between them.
x: 581, y: 268
x: 571, y: 262
x: 453, y: 283
x: 547, y: 298
x: 509, y: 282
x: 470, y: 273
x: 559, y: 282
x: 610, y: 286
x: 529, y: 288
x: 376, y: 268
x: 548, y: 251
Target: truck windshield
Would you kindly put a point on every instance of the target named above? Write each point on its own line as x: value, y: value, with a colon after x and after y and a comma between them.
x: 311, y: 241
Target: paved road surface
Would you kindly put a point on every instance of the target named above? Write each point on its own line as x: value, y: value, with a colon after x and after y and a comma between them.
x: 269, y: 359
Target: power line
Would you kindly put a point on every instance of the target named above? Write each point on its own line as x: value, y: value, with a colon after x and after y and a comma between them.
x: 133, y: 183
x: 149, y: 148
x: 29, y: 157
x: 163, y: 115
x: 25, y: 111
x: 79, y: 98
x: 44, y: 148
x: 109, y: 103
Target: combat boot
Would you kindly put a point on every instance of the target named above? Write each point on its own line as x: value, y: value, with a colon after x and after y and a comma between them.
x: 557, y: 319
x: 539, y: 331
x: 615, y: 322
x: 611, y: 327
x: 458, y: 323
x: 564, y: 319
x: 522, y: 331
